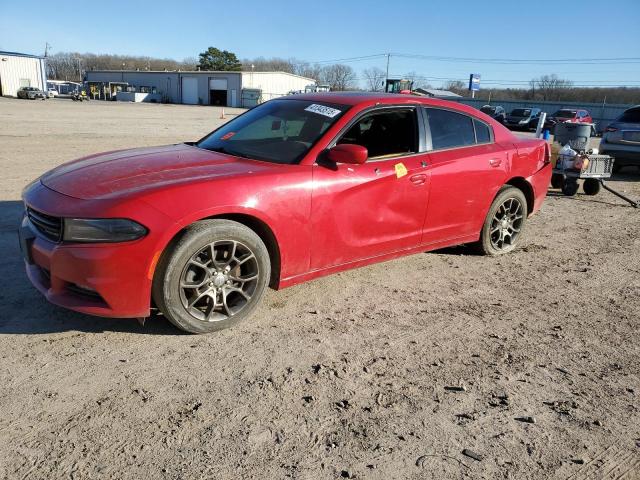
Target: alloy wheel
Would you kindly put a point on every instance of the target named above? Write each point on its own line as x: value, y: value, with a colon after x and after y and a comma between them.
x: 506, y: 224
x: 219, y: 280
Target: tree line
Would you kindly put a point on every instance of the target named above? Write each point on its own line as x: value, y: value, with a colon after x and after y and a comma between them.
x: 553, y: 89
x: 339, y: 76
x: 72, y: 65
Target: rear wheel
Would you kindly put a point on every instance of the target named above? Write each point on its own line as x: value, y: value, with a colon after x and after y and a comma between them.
x: 504, y: 223
x: 213, y: 277
x: 591, y: 186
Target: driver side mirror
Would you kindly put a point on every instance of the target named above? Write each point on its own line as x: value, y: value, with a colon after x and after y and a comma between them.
x: 348, y: 153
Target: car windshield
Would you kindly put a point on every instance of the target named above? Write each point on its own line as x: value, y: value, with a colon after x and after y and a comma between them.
x: 521, y: 112
x: 488, y: 110
x: 630, y: 116
x: 565, y: 113
x: 278, y: 131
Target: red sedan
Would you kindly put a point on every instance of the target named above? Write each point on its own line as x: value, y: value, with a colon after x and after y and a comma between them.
x: 291, y: 190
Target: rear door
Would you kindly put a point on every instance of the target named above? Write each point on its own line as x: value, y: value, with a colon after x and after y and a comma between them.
x: 467, y: 168
x: 368, y: 210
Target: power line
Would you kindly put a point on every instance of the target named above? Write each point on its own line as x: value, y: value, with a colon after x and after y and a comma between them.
x: 520, y: 61
x: 533, y: 61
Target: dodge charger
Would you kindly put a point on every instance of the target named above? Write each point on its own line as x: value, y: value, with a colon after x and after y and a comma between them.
x: 293, y: 189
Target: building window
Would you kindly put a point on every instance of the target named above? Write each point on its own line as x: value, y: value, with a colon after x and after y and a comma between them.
x: 144, y: 89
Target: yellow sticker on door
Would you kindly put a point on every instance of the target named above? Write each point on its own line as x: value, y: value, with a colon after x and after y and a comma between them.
x: 401, y: 170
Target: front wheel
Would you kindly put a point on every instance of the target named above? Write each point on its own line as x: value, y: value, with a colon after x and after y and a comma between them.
x: 557, y: 180
x: 591, y: 186
x: 213, y: 277
x: 504, y: 224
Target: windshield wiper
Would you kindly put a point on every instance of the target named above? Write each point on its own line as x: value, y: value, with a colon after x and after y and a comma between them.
x: 228, y: 152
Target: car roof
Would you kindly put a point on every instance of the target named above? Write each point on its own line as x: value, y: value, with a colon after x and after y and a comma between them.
x: 373, y: 98
x: 367, y: 99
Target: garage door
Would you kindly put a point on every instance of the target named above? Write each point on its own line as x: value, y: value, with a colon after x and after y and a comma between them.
x: 190, y: 90
x: 218, y: 84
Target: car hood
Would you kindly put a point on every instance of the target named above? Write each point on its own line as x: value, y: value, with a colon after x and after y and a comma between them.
x: 127, y: 172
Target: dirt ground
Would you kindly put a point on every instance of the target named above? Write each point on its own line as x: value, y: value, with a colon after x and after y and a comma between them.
x: 346, y: 376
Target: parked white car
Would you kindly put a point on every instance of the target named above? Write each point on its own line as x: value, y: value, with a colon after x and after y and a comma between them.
x: 52, y: 92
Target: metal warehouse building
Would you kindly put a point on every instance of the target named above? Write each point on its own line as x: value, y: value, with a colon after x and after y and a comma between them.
x: 231, y: 89
x: 21, y: 70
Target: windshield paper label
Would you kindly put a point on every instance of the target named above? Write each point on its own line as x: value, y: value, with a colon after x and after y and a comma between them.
x: 322, y: 110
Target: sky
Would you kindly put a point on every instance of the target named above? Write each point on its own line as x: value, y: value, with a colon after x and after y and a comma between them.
x: 515, y: 32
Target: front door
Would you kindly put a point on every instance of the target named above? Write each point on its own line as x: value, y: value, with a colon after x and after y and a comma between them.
x: 363, y: 211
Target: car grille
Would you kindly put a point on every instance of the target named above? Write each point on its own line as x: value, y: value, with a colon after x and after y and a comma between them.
x: 50, y: 227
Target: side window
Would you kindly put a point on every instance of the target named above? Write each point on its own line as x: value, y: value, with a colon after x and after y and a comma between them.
x: 483, y: 134
x: 450, y: 129
x: 385, y: 134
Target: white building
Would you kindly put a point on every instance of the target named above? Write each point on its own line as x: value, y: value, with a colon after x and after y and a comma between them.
x: 232, y: 89
x: 21, y: 70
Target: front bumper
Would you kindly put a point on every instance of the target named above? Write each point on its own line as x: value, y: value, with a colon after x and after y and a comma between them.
x: 104, y: 279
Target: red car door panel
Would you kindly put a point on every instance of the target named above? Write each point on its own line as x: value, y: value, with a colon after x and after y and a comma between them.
x: 464, y: 182
x: 361, y: 211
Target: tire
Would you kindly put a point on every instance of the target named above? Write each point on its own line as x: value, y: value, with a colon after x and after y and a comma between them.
x: 616, y: 168
x: 570, y: 188
x: 557, y: 180
x: 497, y: 238
x: 188, y: 261
x: 591, y: 186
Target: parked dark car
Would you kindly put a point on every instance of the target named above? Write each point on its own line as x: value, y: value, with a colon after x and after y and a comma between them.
x: 496, y: 112
x: 523, y: 118
x: 31, y: 93
x: 621, y: 139
x: 571, y: 115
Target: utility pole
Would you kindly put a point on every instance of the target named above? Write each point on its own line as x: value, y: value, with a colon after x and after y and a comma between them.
x: 387, y: 78
x: 46, y: 48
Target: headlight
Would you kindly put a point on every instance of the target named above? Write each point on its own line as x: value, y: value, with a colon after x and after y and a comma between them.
x: 102, y: 230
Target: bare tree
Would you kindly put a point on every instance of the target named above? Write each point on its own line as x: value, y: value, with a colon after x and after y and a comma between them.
x: 305, y: 69
x: 549, y: 87
x: 339, y: 77
x: 72, y: 65
x: 418, y: 81
x: 374, y: 79
x: 274, y: 64
x: 456, y: 86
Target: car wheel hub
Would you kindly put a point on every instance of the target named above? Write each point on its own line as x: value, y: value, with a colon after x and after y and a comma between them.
x: 219, y: 280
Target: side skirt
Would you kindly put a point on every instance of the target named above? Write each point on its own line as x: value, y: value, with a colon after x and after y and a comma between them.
x: 304, y: 277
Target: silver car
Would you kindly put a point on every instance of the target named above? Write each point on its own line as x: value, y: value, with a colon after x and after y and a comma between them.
x: 31, y: 93
x: 621, y: 139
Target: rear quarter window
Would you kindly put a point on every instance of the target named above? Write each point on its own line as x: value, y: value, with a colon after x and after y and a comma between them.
x: 483, y: 134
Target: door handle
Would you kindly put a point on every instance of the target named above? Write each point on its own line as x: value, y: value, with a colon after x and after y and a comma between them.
x: 495, y: 162
x: 418, y: 179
